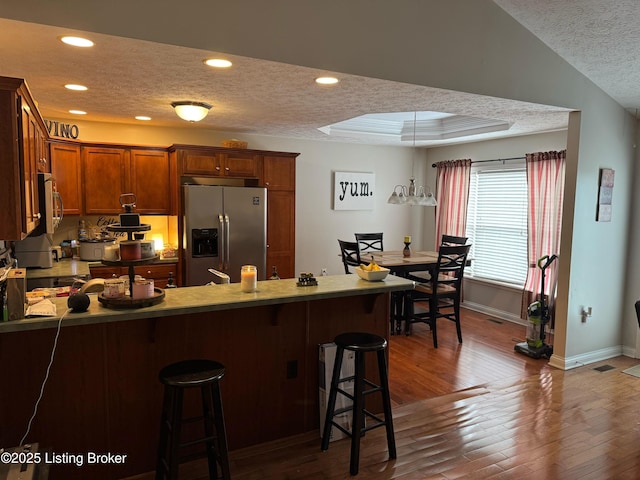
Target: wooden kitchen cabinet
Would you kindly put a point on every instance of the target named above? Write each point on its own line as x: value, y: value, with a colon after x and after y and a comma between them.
x: 110, y: 171
x: 218, y: 161
x: 65, y: 168
x: 159, y: 272
x: 21, y: 155
x: 279, y: 177
x: 151, y: 181
x: 104, y: 179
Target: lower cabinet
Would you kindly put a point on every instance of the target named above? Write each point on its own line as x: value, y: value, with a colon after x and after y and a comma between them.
x: 158, y: 272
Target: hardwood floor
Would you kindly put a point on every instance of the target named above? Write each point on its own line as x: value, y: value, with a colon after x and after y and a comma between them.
x: 475, y: 411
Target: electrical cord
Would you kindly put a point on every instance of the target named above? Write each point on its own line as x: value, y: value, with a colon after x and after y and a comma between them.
x: 46, y: 377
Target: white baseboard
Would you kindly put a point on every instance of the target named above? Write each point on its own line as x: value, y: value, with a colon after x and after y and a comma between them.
x: 567, y: 363
x: 493, y: 312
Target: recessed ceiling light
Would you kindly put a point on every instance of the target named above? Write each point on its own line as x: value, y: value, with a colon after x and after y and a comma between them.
x: 76, y: 41
x: 143, y: 117
x: 78, y: 112
x: 79, y: 88
x: 327, y: 80
x: 218, y: 62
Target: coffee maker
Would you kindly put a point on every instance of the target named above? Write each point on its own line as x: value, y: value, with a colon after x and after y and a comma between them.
x: 37, y: 249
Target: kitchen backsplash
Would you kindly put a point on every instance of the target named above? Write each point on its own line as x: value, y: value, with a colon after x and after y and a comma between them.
x: 163, y: 228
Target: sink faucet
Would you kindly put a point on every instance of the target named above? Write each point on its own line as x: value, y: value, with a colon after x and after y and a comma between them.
x: 220, y: 277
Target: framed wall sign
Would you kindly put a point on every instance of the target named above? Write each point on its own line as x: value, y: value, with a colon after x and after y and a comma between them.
x: 353, y: 190
x: 605, y: 195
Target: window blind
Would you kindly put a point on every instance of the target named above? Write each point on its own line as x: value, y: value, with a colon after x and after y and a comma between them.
x: 497, y: 225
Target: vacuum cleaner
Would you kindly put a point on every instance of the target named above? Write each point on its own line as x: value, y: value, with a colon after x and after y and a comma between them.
x: 538, y: 317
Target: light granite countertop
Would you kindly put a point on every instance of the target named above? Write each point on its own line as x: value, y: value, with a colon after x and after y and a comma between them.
x: 71, y: 267
x: 186, y: 300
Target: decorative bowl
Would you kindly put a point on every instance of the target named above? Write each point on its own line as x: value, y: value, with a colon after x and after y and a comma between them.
x: 373, y: 276
x: 233, y: 143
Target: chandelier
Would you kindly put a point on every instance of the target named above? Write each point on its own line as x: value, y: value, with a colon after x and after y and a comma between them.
x: 412, y: 195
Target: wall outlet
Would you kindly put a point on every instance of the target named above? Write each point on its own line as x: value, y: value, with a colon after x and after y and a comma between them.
x: 324, y: 272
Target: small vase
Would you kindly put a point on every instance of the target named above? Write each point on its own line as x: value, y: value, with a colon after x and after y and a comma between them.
x: 406, y: 252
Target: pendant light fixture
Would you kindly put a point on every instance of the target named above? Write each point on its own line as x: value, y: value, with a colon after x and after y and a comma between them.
x: 191, y: 111
x: 412, y: 195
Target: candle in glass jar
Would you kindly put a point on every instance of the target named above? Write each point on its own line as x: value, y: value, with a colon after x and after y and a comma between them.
x: 248, y: 278
x: 407, y: 239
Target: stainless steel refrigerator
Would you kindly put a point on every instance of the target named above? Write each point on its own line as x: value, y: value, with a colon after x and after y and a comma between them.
x: 224, y: 228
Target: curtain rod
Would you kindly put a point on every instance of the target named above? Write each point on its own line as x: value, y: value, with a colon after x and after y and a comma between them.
x: 434, y: 165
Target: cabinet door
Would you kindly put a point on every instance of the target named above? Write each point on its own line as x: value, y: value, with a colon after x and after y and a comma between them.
x: 281, y: 214
x: 65, y: 168
x: 240, y: 164
x: 200, y: 163
x: 105, y: 177
x: 279, y: 173
x: 30, y: 137
x: 151, y: 181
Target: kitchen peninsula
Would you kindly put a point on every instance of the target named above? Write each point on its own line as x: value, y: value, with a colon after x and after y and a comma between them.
x: 103, y: 393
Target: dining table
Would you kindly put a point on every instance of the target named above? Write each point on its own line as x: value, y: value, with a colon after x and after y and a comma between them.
x: 402, y: 266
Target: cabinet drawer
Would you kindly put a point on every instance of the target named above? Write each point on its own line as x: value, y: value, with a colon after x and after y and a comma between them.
x: 106, y: 272
x: 157, y: 271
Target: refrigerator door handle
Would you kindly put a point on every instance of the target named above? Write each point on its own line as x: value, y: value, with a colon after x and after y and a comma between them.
x: 221, y: 257
x: 227, y: 258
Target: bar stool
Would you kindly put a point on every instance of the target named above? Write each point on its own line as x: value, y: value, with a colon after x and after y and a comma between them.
x: 176, y: 378
x: 359, y: 343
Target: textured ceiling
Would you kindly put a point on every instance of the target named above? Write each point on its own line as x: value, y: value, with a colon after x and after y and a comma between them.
x: 131, y: 77
x: 599, y: 38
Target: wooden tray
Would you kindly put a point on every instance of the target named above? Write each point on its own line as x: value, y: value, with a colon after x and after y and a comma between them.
x: 128, y: 302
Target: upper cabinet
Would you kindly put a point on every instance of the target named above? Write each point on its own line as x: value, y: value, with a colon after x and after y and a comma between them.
x: 65, y: 168
x: 110, y: 171
x: 151, y: 179
x: 104, y: 179
x: 218, y: 161
x: 22, y: 154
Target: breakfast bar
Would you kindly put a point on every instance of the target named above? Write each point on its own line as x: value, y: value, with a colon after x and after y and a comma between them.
x: 103, y: 394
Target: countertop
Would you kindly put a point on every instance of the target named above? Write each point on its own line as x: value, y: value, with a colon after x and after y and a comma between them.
x: 70, y: 267
x: 186, y: 300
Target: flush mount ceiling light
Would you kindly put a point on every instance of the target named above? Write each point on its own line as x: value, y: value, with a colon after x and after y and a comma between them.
x: 191, y: 111
x: 78, y: 112
x: 143, y: 118
x: 412, y: 195
x: 76, y: 41
x: 218, y: 62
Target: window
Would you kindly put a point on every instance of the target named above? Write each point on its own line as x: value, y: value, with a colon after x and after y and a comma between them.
x: 497, y: 223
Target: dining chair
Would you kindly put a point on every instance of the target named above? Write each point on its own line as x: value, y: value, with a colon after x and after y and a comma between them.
x: 444, y: 240
x: 369, y: 242
x: 442, y: 293
x: 350, y: 254
x: 452, y: 240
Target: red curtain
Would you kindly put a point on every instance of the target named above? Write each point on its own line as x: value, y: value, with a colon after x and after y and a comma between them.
x: 545, y: 179
x: 452, y: 194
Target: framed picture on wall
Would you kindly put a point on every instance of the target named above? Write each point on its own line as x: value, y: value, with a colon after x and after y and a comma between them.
x: 605, y: 195
x: 353, y: 190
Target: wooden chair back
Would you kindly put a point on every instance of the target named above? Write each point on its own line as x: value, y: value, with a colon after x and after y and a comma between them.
x: 369, y: 241
x: 350, y: 254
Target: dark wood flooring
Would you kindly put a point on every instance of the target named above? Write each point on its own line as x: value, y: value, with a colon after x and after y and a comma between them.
x: 476, y: 411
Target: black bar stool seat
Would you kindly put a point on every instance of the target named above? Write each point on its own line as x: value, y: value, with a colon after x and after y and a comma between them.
x: 176, y: 378
x: 360, y: 344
